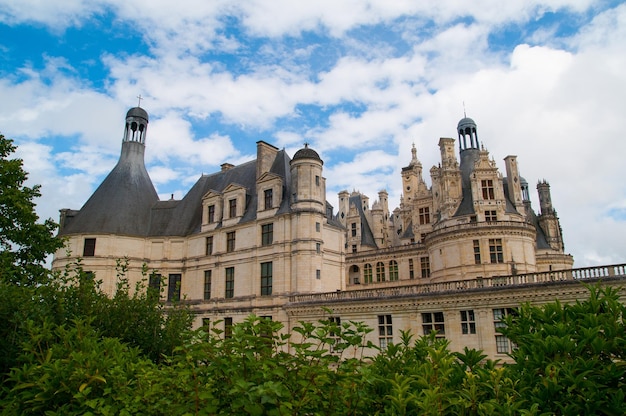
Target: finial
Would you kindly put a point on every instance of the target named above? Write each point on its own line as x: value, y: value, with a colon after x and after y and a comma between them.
x: 306, y: 145
x: 464, y: 114
x: 140, y: 98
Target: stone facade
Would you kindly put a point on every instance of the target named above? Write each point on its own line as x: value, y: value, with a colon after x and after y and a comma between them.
x: 261, y: 238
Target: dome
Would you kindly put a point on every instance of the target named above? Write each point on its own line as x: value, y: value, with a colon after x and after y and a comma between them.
x: 307, y: 153
x: 137, y: 112
x: 466, y: 122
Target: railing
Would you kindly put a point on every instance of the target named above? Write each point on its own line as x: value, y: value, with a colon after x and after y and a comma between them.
x: 585, y: 273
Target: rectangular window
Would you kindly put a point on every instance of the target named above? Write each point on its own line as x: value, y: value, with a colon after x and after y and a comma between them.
x: 318, y: 227
x: 318, y: 248
x: 353, y: 227
x: 476, y: 244
x: 425, y: 266
x: 411, y: 272
x: 173, y: 288
x: 89, y: 249
x: 230, y: 242
x: 487, y: 188
x: 232, y: 208
x: 207, y: 284
x: 228, y: 327
x: 491, y: 216
x: 206, y: 324
x: 266, y: 278
x: 318, y: 274
x: 267, y: 234
x: 354, y: 248
x: 433, y: 321
x: 335, y: 322
x: 211, y: 212
x: 495, y: 250
x: 503, y: 345
x: 385, y: 331
x: 230, y: 282
x: 367, y: 273
x: 154, y: 283
x: 380, y: 271
x: 317, y: 180
x: 268, y: 198
x: 424, y: 214
x: 209, y: 246
x: 393, y: 270
x: 468, y: 322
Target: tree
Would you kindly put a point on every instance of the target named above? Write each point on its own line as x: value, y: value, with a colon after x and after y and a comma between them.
x: 24, y: 243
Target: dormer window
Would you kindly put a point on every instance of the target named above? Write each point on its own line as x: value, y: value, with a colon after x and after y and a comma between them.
x: 211, y: 213
x: 268, y: 196
x: 487, y: 188
x: 232, y: 208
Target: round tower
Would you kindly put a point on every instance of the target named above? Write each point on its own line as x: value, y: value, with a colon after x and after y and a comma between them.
x: 308, y: 187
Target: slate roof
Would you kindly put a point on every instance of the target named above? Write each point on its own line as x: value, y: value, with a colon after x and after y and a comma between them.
x: 121, y: 203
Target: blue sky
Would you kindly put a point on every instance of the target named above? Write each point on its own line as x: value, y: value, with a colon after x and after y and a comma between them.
x: 361, y: 81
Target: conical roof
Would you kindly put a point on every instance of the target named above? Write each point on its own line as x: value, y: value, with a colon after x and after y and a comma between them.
x: 121, y: 204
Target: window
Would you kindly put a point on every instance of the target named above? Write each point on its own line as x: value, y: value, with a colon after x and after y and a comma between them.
x: 354, y: 249
x: 433, y: 321
x: 318, y: 274
x: 468, y: 322
x: 173, y: 288
x: 335, y: 322
x: 228, y: 327
x: 268, y: 198
x: 207, y: 284
x: 487, y: 187
x: 209, y: 245
x: 393, y: 270
x: 206, y: 324
x: 89, y: 249
x: 476, y: 251
x: 385, y: 331
x: 425, y: 266
x: 230, y: 242
x: 267, y: 234
x: 380, y: 271
x: 317, y: 180
x: 266, y: 278
x: 232, y: 208
x: 318, y: 248
x: 495, y: 250
x: 367, y: 273
x: 411, y: 272
x: 353, y: 226
x: 154, y: 283
x: 317, y: 227
x: 503, y: 345
x: 491, y: 216
x: 211, y: 212
x: 230, y: 282
x: 424, y: 214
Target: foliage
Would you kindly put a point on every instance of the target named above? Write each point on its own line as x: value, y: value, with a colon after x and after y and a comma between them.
x: 24, y: 243
x: 571, y: 359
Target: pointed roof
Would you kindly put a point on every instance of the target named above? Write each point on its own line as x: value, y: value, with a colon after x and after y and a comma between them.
x: 120, y: 203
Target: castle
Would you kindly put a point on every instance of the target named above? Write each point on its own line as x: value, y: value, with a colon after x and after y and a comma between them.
x: 262, y: 238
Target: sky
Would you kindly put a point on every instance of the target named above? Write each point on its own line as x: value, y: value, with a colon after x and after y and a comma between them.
x: 361, y: 81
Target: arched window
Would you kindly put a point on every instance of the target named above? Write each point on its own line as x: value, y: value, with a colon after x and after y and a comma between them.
x: 367, y: 273
x: 380, y: 271
x: 393, y: 270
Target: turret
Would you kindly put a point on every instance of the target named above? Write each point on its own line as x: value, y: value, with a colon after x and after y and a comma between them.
x: 307, y: 184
